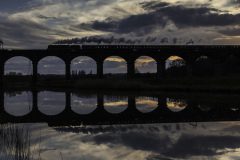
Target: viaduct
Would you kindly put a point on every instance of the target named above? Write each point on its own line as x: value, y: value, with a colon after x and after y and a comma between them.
x: 190, y: 53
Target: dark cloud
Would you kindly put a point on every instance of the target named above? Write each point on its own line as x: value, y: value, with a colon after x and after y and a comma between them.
x: 131, y: 24
x: 230, y: 31
x: 197, y: 17
x: 161, y: 13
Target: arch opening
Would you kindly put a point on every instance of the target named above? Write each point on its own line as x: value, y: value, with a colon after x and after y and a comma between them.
x: 83, y: 66
x: 115, y: 66
x: 51, y: 66
x: 18, y: 104
x: 18, y: 66
x: 145, y: 66
x: 51, y: 103
x: 230, y: 66
x: 203, y: 66
x: 175, y: 66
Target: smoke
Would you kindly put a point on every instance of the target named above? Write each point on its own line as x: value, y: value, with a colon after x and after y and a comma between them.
x: 111, y: 40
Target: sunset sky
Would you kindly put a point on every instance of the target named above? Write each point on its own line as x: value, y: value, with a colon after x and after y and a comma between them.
x: 37, y: 23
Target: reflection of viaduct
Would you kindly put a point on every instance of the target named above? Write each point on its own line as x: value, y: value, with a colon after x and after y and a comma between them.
x: 162, y: 114
x: 128, y: 53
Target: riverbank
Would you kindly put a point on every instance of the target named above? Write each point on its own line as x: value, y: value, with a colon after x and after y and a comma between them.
x: 186, y: 84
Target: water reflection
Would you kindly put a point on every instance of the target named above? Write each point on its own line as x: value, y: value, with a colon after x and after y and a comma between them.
x: 176, y: 105
x: 18, y: 104
x: 115, y: 104
x: 204, y: 107
x: 146, y: 104
x: 208, y: 140
x: 51, y: 103
x: 83, y: 104
x: 215, y: 140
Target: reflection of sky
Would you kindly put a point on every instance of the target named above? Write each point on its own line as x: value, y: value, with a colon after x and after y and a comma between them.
x: 51, y: 103
x: 18, y: 105
x: 146, y: 104
x: 115, y: 104
x: 83, y: 105
x: 143, y: 142
x: 176, y: 105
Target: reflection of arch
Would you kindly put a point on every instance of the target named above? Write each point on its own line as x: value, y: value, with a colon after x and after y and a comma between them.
x: 145, y: 64
x: 51, y: 103
x: 83, y: 105
x: 115, y: 65
x: 175, y: 66
x: 18, y: 104
x: 176, y: 105
x: 52, y: 65
x: 83, y: 65
x: 146, y: 104
x: 115, y: 105
x: 18, y: 65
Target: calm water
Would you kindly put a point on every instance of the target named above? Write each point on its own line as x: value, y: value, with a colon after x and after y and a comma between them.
x: 158, y: 141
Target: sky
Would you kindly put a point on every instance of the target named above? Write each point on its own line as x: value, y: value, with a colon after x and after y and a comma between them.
x: 38, y: 23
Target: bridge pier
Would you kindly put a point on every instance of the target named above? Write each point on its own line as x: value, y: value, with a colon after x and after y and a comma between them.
x: 1, y: 75
x: 68, y: 70
x: 68, y: 106
x: 100, y: 69
x: 35, y: 110
x: 35, y: 71
x: 2, y: 110
x: 189, y: 66
x: 130, y: 69
x: 160, y: 69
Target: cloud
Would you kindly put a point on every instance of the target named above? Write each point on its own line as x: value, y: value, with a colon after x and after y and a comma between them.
x: 42, y: 22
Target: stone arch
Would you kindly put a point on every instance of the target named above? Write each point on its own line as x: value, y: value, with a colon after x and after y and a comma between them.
x: 175, y: 66
x: 231, y: 65
x: 203, y: 66
x: 145, y: 64
x: 115, y: 65
x: 53, y: 65
x: 83, y: 66
x: 18, y: 65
